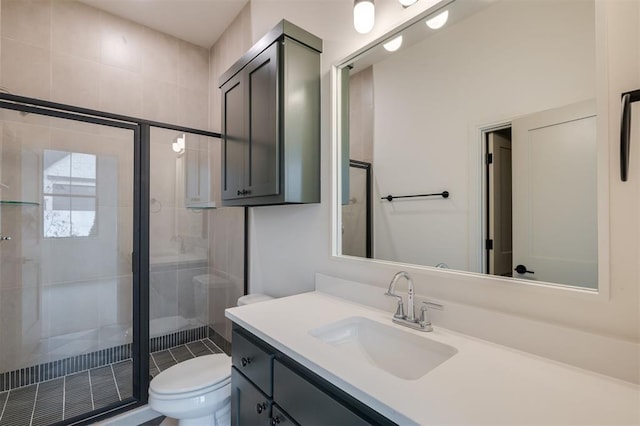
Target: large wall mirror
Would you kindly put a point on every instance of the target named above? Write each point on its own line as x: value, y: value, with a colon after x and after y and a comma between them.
x: 468, y: 142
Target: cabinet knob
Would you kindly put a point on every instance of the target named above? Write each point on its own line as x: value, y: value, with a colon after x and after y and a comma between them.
x: 246, y: 361
x: 260, y: 407
x: 275, y: 421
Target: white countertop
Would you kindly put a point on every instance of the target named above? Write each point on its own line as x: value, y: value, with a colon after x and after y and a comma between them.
x: 483, y: 383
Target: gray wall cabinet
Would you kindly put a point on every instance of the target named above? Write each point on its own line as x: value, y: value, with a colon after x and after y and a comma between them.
x: 269, y: 388
x: 271, y: 121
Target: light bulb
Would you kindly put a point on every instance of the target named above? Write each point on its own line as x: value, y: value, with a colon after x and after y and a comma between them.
x: 364, y: 15
x: 407, y: 3
x: 394, y: 44
x: 438, y: 21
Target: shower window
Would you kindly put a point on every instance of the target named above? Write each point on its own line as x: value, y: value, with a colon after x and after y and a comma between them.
x: 69, y: 194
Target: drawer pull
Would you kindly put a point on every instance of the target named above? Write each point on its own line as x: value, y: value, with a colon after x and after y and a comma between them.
x: 246, y: 361
x: 260, y: 407
x: 275, y: 421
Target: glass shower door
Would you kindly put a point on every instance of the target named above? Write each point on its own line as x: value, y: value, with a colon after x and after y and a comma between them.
x: 66, y: 281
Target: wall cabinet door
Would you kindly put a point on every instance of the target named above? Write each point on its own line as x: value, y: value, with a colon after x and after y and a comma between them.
x: 262, y: 173
x: 250, y: 130
x: 249, y: 406
x: 234, y: 137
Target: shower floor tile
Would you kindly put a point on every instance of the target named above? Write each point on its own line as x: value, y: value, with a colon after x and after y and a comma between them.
x: 66, y: 397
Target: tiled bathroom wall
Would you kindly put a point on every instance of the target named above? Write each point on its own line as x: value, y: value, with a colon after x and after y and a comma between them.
x: 226, y: 225
x: 68, y: 52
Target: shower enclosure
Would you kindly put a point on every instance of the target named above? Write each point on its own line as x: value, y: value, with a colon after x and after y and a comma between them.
x: 76, y: 210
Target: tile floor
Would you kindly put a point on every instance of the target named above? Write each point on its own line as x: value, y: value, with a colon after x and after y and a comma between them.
x: 66, y: 397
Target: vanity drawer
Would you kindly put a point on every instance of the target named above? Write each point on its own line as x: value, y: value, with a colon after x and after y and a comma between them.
x: 253, y: 361
x: 278, y: 417
x: 308, y: 404
x: 249, y: 406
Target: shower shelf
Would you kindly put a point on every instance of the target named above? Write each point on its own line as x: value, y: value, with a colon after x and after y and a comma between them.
x: 20, y: 203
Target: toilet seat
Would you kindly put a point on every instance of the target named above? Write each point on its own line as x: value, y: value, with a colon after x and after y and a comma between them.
x: 195, y: 376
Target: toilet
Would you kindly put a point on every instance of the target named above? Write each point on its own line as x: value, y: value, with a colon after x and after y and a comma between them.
x: 195, y: 392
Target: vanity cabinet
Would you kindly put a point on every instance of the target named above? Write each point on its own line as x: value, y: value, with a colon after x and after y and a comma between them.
x: 269, y: 388
x: 271, y: 121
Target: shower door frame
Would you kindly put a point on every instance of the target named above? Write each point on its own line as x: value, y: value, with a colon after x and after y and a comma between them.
x: 140, y: 257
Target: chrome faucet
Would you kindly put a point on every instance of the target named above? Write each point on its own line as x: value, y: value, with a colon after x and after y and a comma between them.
x: 408, y: 320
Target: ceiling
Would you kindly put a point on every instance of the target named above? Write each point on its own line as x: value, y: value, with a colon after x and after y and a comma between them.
x: 200, y: 22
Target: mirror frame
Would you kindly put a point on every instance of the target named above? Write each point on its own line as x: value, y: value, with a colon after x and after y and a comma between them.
x: 602, y: 185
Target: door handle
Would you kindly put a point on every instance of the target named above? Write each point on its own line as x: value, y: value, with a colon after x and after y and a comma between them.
x: 521, y: 269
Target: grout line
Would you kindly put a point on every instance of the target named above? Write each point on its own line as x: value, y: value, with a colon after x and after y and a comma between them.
x: 64, y: 395
x: 192, y: 354
x: 115, y: 382
x: 215, y: 345
x: 35, y: 401
x: 207, y: 346
x: 155, y: 363
x: 93, y: 406
x: 174, y: 358
x: 5, y: 405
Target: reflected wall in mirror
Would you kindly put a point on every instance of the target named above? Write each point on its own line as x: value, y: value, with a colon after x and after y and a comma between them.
x: 497, y: 107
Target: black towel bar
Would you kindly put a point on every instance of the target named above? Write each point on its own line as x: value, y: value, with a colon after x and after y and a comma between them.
x: 625, y: 131
x: 443, y: 194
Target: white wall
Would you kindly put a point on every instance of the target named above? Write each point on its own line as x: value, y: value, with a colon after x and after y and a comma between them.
x: 433, y: 98
x: 284, y: 262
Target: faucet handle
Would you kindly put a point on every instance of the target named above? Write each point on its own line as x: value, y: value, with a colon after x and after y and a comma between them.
x: 400, y: 309
x: 424, y: 320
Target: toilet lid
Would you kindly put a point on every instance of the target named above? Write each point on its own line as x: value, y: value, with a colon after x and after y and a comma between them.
x: 193, y: 375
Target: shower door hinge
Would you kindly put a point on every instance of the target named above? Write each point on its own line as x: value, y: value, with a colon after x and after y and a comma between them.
x: 133, y: 262
x: 489, y: 244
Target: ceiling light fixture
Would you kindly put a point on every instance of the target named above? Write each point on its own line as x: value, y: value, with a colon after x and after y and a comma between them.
x: 438, y: 21
x: 364, y: 15
x: 394, y: 44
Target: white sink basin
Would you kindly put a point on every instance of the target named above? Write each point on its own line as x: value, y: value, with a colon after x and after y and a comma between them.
x: 400, y: 353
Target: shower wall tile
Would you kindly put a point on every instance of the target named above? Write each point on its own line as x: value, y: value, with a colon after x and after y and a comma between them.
x: 27, y: 21
x: 76, y: 29
x: 26, y: 69
x: 82, y: 89
x: 120, y: 91
x: 71, y: 300
x: 192, y: 299
x: 193, y: 108
x: 160, y: 101
x: 193, y: 67
x: 163, y: 289
x: 125, y: 301
x: 160, y: 57
x: 231, y: 45
x: 122, y: 43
